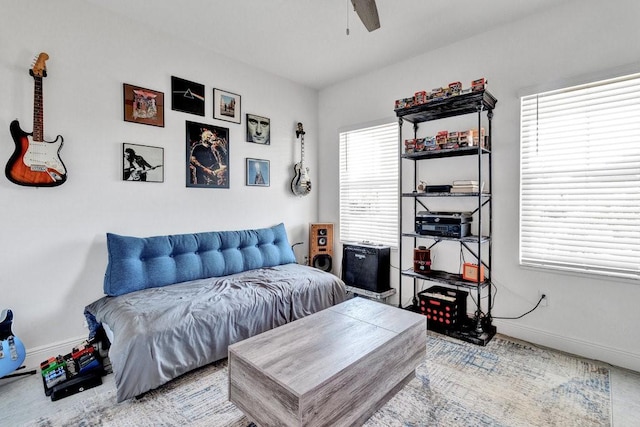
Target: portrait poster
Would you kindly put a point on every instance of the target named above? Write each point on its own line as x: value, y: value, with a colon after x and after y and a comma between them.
x: 258, y: 172
x: 258, y: 129
x: 143, y: 106
x: 207, y: 164
x: 142, y: 163
x: 187, y: 96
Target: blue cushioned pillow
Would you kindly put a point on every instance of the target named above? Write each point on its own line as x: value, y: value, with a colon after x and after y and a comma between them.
x: 137, y: 263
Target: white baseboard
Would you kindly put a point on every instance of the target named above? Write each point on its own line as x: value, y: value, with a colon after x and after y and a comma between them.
x: 38, y: 354
x: 590, y: 350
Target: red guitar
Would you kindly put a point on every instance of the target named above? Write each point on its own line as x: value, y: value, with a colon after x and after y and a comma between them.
x: 36, y: 162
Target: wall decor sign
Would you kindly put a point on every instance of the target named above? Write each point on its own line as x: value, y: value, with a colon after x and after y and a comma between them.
x: 258, y: 172
x: 258, y: 129
x: 226, y: 106
x: 142, y: 163
x: 144, y: 106
x: 207, y: 156
x: 187, y: 96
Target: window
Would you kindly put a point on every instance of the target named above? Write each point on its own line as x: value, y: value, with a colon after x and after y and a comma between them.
x: 369, y: 185
x: 580, y: 178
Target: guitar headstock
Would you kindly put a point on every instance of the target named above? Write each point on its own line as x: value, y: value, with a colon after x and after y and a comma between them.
x: 299, y: 130
x: 39, y: 68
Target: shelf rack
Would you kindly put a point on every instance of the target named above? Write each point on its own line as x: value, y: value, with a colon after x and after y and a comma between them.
x: 479, y: 329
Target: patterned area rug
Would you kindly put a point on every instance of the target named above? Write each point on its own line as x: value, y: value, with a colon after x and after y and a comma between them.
x: 506, y: 383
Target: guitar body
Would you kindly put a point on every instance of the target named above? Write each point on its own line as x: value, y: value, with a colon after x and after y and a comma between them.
x: 33, y: 163
x: 12, y: 352
x: 301, y: 184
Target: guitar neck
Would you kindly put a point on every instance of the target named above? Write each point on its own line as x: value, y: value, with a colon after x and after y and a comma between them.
x: 38, y: 113
x: 302, y: 149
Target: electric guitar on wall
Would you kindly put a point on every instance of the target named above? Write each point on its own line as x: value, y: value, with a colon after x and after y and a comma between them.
x: 301, y: 184
x: 36, y: 162
x: 12, y: 351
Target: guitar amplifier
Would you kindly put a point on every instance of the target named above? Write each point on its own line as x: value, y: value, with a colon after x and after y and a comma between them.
x: 366, y: 267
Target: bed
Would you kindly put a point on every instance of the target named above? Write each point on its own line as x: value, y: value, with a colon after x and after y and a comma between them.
x: 241, y: 283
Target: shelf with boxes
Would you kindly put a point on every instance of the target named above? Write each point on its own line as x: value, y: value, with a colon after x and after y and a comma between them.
x: 432, y: 228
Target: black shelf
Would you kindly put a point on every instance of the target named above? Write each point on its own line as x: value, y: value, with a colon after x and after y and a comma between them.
x: 445, y: 278
x: 477, y: 329
x: 446, y: 152
x: 467, y: 239
x: 449, y: 107
x: 468, y: 332
x: 448, y: 194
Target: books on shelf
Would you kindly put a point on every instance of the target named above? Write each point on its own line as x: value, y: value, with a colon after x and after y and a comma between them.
x: 466, y: 186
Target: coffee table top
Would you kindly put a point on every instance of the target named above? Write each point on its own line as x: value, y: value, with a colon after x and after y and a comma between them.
x: 302, y: 354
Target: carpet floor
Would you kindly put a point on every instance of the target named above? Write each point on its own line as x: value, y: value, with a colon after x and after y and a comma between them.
x: 506, y: 383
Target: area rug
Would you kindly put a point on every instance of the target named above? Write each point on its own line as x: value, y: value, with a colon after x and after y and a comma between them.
x: 506, y: 383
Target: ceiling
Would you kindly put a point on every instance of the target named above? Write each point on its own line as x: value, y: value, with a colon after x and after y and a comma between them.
x: 305, y: 40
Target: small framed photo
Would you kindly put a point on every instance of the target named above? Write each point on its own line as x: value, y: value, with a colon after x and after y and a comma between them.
x: 187, y: 96
x: 144, y: 106
x: 142, y: 163
x: 258, y: 172
x: 226, y: 106
x: 258, y: 129
x: 207, y: 156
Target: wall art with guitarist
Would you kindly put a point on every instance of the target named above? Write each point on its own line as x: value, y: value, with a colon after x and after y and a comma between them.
x: 36, y: 162
x: 142, y: 163
x: 301, y: 183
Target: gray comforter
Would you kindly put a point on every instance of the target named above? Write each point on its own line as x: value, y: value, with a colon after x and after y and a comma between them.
x: 161, y: 333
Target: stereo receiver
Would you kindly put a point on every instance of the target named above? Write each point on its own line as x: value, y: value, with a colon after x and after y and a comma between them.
x: 444, y: 224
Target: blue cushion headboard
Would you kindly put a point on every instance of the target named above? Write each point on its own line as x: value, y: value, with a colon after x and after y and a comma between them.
x: 137, y: 263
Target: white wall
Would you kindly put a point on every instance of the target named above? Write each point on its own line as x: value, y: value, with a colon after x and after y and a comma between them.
x: 592, y: 316
x: 53, y: 254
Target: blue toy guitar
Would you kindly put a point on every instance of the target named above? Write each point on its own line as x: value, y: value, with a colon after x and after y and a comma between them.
x: 12, y: 352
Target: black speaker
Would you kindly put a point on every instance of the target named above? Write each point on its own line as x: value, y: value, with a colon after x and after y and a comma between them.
x: 366, y: 267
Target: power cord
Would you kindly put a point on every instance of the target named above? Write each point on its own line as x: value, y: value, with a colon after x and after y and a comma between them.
x: 543, y: 296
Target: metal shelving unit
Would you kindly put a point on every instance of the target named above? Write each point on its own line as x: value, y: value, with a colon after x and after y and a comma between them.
x: 479, y: 328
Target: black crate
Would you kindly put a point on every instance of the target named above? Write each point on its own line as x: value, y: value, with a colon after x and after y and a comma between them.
x: 445, y: 308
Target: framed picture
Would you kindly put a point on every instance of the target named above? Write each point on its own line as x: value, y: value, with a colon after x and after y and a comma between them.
x: 226, y: 106
x: 258, y: 172
x: 258, y: 129
x: 144, y: 106
x: 187, y: 96
x: 207, y: 156
x: 142, y: 163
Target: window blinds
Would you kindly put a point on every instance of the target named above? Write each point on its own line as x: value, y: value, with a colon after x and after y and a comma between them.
x: 580, y: 178
x: 369, y: 185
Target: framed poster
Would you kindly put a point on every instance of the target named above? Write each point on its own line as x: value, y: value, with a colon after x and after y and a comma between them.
x: 142, y: 163
x: 258, y: 129
x: 144, y: 106
x: 258, y: 172
x: 187, y: 96
x: 226, y: 106
x: 207, y: 163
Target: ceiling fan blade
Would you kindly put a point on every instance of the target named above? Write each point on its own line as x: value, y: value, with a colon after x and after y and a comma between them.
x: 368, y: 13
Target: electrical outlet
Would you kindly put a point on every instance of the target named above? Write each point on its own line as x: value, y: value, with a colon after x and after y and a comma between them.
x: 545, y: 300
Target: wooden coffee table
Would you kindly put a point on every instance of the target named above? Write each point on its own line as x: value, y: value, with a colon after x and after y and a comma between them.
x: 333, y: 368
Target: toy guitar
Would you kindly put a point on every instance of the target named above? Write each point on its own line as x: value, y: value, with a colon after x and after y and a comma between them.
x: 301, y: 184
x: 36, y: 162
x: 12, y: 351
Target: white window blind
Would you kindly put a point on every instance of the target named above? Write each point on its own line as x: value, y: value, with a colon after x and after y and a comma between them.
x: 369, y: 185
x: 580, y: 178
